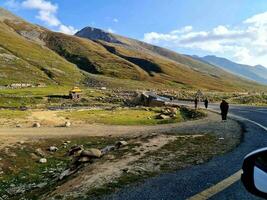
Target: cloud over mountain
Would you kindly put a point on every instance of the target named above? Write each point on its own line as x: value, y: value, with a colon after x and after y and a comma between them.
x: 47, y: 12
x: 245, y: 43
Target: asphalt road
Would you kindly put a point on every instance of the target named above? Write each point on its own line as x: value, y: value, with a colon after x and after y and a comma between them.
x: 191, y: 181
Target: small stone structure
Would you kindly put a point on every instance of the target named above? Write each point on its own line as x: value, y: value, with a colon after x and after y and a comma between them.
x: 75, y: 93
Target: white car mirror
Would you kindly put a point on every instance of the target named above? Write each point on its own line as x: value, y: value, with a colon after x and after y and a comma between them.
x: 254, y: 175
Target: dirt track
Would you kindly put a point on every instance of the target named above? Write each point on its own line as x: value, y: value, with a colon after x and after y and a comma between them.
x: 211, y: 124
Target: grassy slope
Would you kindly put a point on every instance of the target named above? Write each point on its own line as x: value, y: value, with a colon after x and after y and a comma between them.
x: 187, y: 72
x: 32, y: 63
x: 40, y: 55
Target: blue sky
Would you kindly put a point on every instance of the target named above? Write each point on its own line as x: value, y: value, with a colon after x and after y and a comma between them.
x: 235, y: 29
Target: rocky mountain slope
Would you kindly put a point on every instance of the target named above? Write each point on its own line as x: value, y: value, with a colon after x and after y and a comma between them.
x: 257, y: 73
x: 33, y: 54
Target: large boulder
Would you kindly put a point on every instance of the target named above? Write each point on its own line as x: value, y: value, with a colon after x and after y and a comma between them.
x: 120, y: 144
x: 74, y: 150
x: 93, y: 153
x: 36, y: 125
x: 53, y: 148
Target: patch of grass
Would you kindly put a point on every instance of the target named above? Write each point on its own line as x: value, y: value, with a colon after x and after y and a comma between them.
x: 14, y: 114
x: 121, y: 117
x: 24, y: 172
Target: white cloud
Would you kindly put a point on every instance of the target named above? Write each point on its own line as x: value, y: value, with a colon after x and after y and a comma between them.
x: 115, y: 20
x: 70, y: 30
x: 47, y: 12
x: 245, y: 43
x: 110, y: 30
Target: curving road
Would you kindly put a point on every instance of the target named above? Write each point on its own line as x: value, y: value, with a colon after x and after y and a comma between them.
x: 186, y: 183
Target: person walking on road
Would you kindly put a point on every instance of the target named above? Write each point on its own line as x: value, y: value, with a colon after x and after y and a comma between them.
x: 206, y: 103
x: 196, y: 102
x: 224, y: 106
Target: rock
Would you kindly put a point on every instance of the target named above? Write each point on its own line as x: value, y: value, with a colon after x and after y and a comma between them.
x: 40, y: 152
x: 66, y: 173
x: 94, y: 153
x: 103, y: 88
x: 162, y: 116
x: 108, y: 149
x: 120, y: 144
x: 84, y: 159
x: 12, y: 154
x: 67, y: 124
x: 74, y: 150
x: 126, y: 170
x: 36, y: 125
x: 34, y: 156
x: 173, y: 110
x: 18, y: 126
x: 173, y: 115
x: 221, y: 138
x: 41, y: 185
x: 43, y: 160
x: 53, y: 149
x: 21, y: 142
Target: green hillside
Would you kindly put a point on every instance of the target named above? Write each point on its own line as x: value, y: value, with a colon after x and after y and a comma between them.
x: 33, y: 54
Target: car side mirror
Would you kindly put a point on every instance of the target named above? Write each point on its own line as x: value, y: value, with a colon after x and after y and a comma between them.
x: 254, y: 176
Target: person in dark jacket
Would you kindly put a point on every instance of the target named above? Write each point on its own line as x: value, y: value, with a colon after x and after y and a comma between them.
x: 224, y: 109
x: 206, y: 103
x: 196, y: 102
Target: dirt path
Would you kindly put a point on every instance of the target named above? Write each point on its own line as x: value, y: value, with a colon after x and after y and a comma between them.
x: 210, y: 124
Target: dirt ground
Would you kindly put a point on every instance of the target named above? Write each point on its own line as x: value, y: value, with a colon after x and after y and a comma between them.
x: 211, y: 124
x: 103, y: 172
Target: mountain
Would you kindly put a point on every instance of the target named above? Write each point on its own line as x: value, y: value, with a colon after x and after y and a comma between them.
x: 33, y: 54
x: 257, y: 73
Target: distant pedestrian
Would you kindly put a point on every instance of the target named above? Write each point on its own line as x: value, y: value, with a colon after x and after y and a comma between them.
x: 224, y: 109
x: 196, y: 103
x: 206, y: 103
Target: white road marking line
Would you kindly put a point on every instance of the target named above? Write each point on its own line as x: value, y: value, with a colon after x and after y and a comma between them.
x: 215, y: 189
x: 256, y: 123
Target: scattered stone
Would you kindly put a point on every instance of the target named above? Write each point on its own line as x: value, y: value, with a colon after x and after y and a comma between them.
x: 162, y: 116
x: 120, y: 144
x: 103, y: 88
x: 67, y: 124
x: 84, y: 159
x: 66, y: 173
x: 21, y: 142
x: 94, y: 153
x: 36, y: 125
x: 107, y: 149
x: 13, y: 154
x: 18, y: 126
x: 221, y: 138
x: 53, y: 149
x: 43, y: 160
x: 40, y: 152
x: 34, y: 156
x: 41, y: 185
x: 75, y: 150
x: 126, y: 170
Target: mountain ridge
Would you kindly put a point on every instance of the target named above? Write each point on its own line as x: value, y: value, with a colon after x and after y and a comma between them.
x: 56, y: 58
x: 257, y: 73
